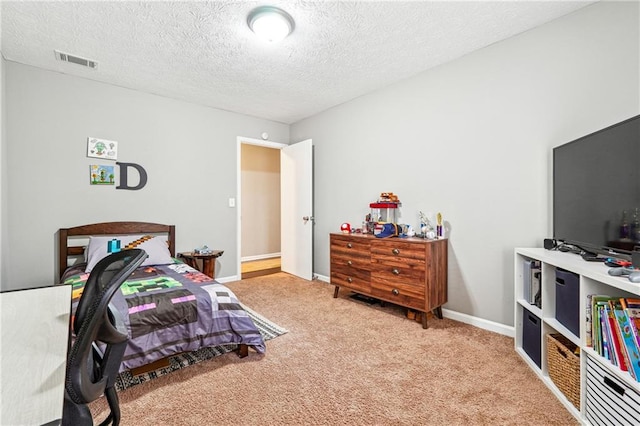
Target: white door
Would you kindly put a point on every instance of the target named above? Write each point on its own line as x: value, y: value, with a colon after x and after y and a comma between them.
x: 296, y: 195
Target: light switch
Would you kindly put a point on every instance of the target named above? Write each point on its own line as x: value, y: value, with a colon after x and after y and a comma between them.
x: 232, y: 202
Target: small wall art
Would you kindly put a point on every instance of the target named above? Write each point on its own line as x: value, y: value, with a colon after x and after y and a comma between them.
x: 102, y: 175
x: 102, y: 148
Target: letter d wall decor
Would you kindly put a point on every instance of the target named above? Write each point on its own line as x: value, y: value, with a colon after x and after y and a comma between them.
x: 124, y: 184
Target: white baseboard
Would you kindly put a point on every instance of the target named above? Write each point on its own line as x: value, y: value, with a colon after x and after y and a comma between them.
x: 229, y: 279
x: 259, y: 257
x: 321, y: 278
x: 496, y: 327
x: 457, y: 316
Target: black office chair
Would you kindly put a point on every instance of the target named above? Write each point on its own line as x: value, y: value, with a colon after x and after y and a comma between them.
x: 92, y: 368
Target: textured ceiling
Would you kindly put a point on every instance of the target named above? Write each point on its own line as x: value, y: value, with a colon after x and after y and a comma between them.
x: 203, y: 52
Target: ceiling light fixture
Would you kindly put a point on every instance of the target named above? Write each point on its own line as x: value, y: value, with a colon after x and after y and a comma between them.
x: 270, y: 23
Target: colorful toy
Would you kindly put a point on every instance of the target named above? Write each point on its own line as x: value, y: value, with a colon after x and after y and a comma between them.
x: 345, y: 228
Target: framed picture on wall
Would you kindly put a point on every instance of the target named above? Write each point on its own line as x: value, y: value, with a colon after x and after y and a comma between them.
x: 102, y: 175
x: 102, y: 148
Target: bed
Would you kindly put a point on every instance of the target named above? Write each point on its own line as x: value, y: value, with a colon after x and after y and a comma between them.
x: 168, y: 306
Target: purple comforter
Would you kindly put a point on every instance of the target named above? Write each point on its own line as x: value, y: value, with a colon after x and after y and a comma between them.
x: 173, y: 308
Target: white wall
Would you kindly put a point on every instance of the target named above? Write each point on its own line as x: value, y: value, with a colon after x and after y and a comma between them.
x: 3, y: 168
x: 3, y: 175
x: 472, y: 139
x: 187, y: 150
x: 260, y: 201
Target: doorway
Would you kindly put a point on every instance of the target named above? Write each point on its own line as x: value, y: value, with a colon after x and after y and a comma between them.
x: 259, y: 214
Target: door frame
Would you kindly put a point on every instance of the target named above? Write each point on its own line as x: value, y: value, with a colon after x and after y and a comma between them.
x: 248, y: 141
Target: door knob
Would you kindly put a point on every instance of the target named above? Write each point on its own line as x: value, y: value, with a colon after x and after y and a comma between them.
x: 308, y: 218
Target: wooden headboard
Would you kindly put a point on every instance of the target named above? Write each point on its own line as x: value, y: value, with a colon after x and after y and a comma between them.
x: 67, y: 235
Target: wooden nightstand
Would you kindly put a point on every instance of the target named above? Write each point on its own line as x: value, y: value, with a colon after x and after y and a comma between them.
x: 208, y: 261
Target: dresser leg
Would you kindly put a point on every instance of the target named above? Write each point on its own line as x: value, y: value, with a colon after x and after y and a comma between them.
x: 335, y: 292
x: 424, y: 320
x: 438, y: 312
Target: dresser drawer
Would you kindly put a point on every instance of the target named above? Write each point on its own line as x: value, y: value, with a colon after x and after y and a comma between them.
x: 349, y: 269
x: 352, y: 260
x: 399, y: 254
x: 391, y: 275
x: 402, y: 294
x: 349, y: 243
x: 357, y: 280
x: 345, y: 249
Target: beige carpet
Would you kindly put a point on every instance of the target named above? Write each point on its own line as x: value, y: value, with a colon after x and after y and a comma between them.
x: 345, y: 362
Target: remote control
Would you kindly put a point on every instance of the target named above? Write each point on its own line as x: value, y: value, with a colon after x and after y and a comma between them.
x: 620, y: 271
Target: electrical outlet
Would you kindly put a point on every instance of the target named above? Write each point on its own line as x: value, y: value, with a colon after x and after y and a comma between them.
x: 232, y: 202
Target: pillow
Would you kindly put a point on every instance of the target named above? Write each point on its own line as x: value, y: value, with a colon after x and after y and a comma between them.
x: 156, y: 248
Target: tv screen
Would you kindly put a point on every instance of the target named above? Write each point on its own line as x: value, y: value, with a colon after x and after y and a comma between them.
x: 596, y: 190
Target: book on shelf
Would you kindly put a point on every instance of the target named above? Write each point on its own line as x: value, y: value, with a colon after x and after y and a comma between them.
x: 612, y: 339
x: 531, y: 276
x: 594, y: 323
x: 618, y: 345
x: 602, y: 331
x: 613, y: 331
x: 629, y: 342
x: 632, y: 306
x: 536, y: 282
x: 588, y: 319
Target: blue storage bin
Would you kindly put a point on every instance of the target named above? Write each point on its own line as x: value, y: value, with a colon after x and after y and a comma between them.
x: 532, y: 336
x: 568, y: 300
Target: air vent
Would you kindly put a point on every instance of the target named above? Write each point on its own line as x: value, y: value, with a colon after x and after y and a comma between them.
x: 61, y: 56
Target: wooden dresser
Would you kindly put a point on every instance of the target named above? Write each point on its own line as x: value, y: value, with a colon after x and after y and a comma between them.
x: 410, y: 272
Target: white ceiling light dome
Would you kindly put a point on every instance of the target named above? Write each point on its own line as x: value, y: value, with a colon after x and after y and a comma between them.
x: 270, y: 23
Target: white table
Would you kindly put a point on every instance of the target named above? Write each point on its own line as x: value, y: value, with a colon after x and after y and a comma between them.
x: 33, y: 354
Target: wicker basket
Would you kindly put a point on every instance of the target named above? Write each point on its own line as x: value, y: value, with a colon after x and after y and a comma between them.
x: 564, y: 367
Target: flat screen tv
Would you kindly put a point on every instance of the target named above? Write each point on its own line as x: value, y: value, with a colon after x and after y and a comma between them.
x: 596, y: 191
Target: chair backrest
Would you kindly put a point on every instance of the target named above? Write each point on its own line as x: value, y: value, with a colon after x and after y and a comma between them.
x: 99, y: 328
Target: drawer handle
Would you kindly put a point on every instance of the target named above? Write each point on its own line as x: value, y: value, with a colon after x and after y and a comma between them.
x: 349, y: 245
x: 395, y: 251
x: 349, y: 262
x: 395, y: 272
x: 349, y: 280
x: 395, y: 292
x: 613, y: 385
